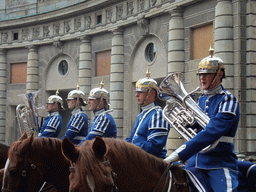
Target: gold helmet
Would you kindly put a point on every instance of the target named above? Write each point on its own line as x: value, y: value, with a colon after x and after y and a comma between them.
x: 99, y: 93
x: 210, y: 64
x: 146, y: 83
x: 77, y: 94
x: 56, y: 99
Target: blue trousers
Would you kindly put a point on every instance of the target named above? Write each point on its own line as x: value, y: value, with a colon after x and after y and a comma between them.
x: 223, y: 180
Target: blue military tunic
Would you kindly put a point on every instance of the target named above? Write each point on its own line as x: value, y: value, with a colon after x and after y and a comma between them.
x: 223, y: 109
x: 150, y: 131
x: 77, y: 127
x: 52, y: 125
x: 102, y: 125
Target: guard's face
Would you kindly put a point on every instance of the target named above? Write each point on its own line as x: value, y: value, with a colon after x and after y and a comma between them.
x: 141, y: 96
x: 206, y: 80
x: 71, y: 103
x: 49, y: 107
x: 93, y: 104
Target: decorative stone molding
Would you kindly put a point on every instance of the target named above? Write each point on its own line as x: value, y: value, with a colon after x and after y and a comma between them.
x: 56, y: 28
x: 25, y: 34
x: 78, y: 24
x: 88, y: 22
x: 109, y: 15
x: 46, y: 31
x: 130, y: 8
x: 143, y: 23
x: 57, y: 43
x: 4, y: 37
x: 119, y: 12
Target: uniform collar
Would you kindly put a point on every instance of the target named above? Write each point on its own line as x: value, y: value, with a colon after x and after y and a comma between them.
x: 96, y: 113
x: 53, y: 113
x: 75, y: 111
x: 147, y: 107
x: 214, y: 91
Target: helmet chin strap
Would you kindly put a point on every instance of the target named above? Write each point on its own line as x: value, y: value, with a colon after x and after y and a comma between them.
x: 216, y: 75
x: 149, y: 91
x: 101, y: 99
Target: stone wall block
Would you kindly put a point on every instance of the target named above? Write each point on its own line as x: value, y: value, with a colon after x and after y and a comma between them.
x: 224, y: 21
x: 32, y: 86
x: 117, y: 104
x: 117, y: 86
x: 223, y: 33
x: 176, y: 23
x: 224, y: 8
x: 223, y: 46
x: 116, y: 95
x: 32, y: 78
x: 176, y: 67
x: 85, y: 57
x: 117, y: 68
x: 32, y: 71
x: 176, y: 45
x: 117, y: 50
x: 176, y: 34
x: 117, y: 59
x: 175, y: 56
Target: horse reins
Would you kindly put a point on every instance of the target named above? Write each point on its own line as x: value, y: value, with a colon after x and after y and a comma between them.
x: 175, y: 183
x: 27, y: 165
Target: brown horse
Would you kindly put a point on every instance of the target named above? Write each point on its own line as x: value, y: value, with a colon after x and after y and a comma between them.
x: 32, y: 161
x: 110, y: 164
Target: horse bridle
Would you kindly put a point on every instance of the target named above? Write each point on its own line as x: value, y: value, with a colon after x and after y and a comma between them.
x: 175, y: 181
x: 106, y: 163
x: 27, y: 166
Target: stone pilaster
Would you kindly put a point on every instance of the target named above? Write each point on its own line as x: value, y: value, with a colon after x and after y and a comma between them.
x: 85, y: 60
x: 176, y: 53
x: 176, y: 59
x: 117, y: 79
x: 32, y: 70
x: 223, y: 38
x: 250, y: 70
x: 3, y: 75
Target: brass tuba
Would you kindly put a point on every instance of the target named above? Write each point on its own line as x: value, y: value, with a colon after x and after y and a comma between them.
x: 181, y: 111
x: 27, y: 116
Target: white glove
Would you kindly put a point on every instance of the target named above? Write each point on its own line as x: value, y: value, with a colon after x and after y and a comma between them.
x: 174, y: 156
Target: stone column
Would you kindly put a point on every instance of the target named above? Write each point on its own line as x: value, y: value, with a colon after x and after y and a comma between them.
x: 250, y: 71
x: 3, y: 75
x: 85, y: 60
x: 176, y: 59
x: 176, y: 53
x: 32, y: 70
x: 117, y: 79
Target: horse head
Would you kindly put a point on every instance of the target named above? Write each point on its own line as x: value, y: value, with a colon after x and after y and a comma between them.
x: 18, y: 167
x: 90, y: 169
x: 31, y: 162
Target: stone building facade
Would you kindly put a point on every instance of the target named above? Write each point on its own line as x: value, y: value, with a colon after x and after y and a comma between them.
x: 65, y: 43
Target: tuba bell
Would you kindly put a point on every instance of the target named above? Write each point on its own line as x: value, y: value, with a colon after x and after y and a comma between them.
x: 27, y: 116
x: 181, y: 111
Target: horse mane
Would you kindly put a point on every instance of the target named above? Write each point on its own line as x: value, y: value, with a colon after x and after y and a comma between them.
x: 51, y: 145
x: 128, y: 153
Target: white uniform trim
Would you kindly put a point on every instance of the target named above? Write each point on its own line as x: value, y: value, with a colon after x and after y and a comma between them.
x: 228, y: 180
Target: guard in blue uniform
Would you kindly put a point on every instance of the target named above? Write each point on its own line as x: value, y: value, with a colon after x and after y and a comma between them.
x: 150, y: 130
x: 103, y: 124
x: 219, y: 164
x: 53, y: 122
x: 77, y: 127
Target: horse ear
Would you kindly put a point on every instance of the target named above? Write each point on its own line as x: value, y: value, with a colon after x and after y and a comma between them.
x: 99, y: 147
x: 69, y: 150
x: 23, y: 136
x: 25, y: 143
